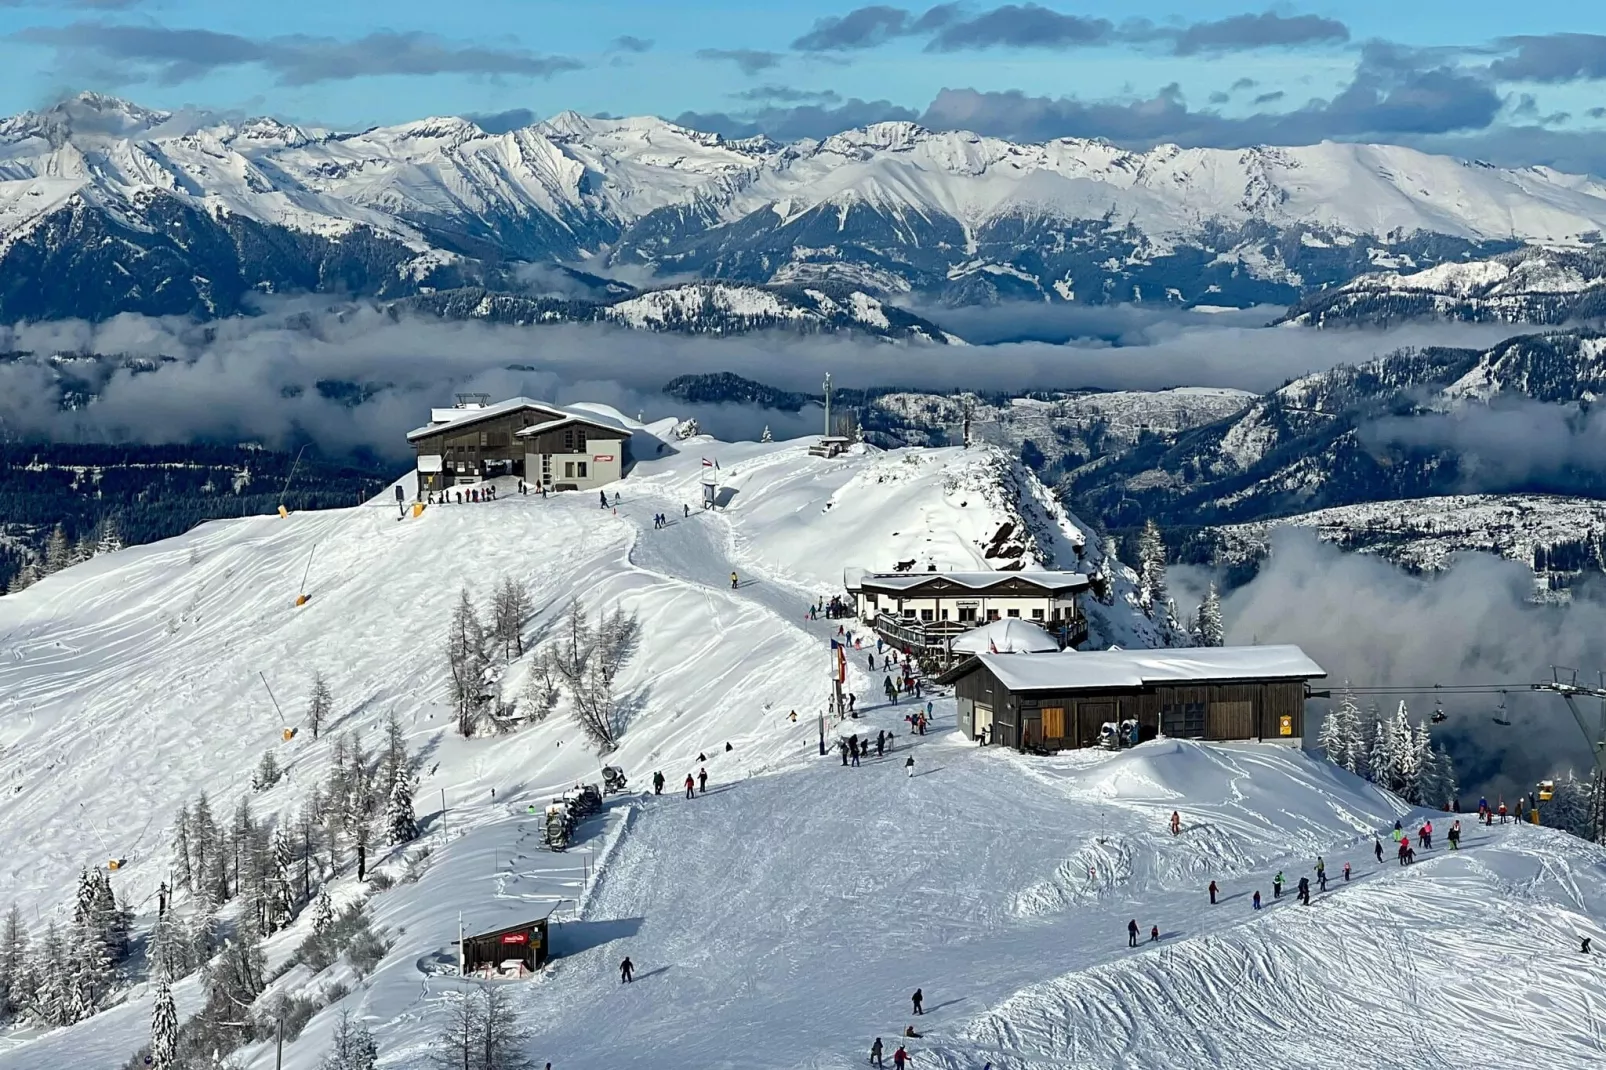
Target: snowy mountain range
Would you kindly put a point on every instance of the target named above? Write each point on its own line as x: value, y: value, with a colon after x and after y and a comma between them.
x: 106, y: 207
x: 1535, y: 284
x: 770, y: 914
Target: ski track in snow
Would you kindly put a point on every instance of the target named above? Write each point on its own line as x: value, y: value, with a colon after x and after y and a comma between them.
x: 781, y: 918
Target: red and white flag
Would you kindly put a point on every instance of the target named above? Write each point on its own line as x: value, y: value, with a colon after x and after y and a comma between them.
x: 707, y: 463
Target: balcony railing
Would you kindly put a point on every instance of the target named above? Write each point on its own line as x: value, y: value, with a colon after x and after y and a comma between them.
x: 931, y: 638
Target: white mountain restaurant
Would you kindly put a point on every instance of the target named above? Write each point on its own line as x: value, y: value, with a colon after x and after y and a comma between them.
x: 547, y: 445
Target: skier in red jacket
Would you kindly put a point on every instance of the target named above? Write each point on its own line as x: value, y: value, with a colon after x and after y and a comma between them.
x: 691, y: 786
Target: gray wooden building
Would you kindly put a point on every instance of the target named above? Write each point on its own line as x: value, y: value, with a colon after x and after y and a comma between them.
x: 547, y: 445
x: 1062, y: 701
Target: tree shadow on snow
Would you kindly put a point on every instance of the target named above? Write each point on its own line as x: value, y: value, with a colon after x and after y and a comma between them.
x: 573, y: 937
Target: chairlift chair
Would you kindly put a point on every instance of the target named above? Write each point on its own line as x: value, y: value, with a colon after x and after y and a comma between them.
x: 1501, y: 717
x: 1547, y: 790
x: 1439, y: 716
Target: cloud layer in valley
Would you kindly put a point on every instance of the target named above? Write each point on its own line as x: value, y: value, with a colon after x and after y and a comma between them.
x: 1371, y: 625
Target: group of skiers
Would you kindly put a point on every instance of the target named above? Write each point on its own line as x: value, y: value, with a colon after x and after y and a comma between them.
x: 485, y: 492
x: 603, y: 496
x: 900, y: 1057
x: 695, y: 787
x: 852, y: 750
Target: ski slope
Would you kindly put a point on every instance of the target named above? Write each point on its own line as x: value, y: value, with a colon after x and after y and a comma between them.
x: 785, y: 916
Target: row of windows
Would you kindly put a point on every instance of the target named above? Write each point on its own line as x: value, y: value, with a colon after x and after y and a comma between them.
x: 967, y: 615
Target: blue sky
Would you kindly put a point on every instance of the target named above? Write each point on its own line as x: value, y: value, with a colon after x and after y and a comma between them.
x: 1513, y: 81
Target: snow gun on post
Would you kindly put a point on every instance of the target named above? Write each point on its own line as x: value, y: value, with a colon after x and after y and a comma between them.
x: 288, y: 732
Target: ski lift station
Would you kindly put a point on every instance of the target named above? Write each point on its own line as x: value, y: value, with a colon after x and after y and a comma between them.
x: 1048, y: 701
x: 546, y: 445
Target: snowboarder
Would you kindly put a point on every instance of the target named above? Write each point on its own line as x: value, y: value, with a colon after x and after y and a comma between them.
x: 1176, y: 823
x: 1212, y: 893
x: 899, y: 1057
x: 658, y: 782
x: 702, y: 781
x: 915, y: 999
x: 1585, y: 948
x: 1321, y: 873
x: 1377, y: 848
x: 875, y: 1053
x: 689, y: 785
x: 1132, y: 933
x: 1304, y: 890
x: 1346, y: 872
x: 627, y: 971
x: 1257, y: 900
x: 909, y: 766
x: 1277, y: 885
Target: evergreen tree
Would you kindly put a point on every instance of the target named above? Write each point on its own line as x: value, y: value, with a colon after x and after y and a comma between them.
x: 1402, y: 751
x: 267, y: 772
x: 16, y: 982
x: 58, y: 551
x: 1380, y: 759
x: 323, y: 913
x: 393, y: 761
x: 285, y: 898
x: 168, y: 953
x: 110, y: 539
x: 466, y: 663
x: 164, y: 1030
x: 320, y: 704
x: 400, y: 824
x: 182, y: 874
x: 1212, y: 631
x: 352, y: 1047
x: 1413, y: 773
x: 1430, y: 777
x: 1354, y: 754
x: 766, y: 436
x: 52, y: 991
x: 1449, y: 786
x: 1331, y: 738
x: 1151, y: 569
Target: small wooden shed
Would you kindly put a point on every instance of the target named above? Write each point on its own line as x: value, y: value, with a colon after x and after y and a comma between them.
x: 516, y: 951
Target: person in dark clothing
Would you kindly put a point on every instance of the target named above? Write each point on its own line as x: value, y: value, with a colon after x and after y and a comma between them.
x: 1277, y: 885
x: 1154, y: 934
x: 875, y: 1053
x: 1132, y: 933
x: 627, y: 971
x: 603, y: 495
x: 1304, y: 890
x: 689, y: 785
x: 658, y: 783
x: 853, y: 701
x: 842, y: 749
x: 1405, y: 849
x: 880, y: 743
x: 916, y: 999
x: 1585, y: 948
x: 853, y: 751
x: 1377, y: 848
x: 1212, y: 893
x: 702, y: 780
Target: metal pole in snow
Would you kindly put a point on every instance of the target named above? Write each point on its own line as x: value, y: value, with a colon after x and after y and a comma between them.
x: 443, y: 815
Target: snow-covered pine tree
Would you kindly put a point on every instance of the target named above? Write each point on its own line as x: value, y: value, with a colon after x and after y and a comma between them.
x: 206, y: 851
x: 1151, y: 569
x: 1212, y: 629
x: 766, y: 436
x: 393, y: 760
x: 1449, y: 786
x: 1380, y: 760
x: 182, y: 877
x: 168, y: 954
x: 352, y: 1047
x: 1352, y: 756
x: 466, y: 663
x: 110, y: 539
x: 52, y: 992
x: 164, y: 1030
x: 510, y: 612
x: 360, y: 800
x: 1402, y: 751
x: 400, y: 824
x: 1429, y: 777
x: 285, y: 897
x: 1413, y: 773
x: 267, y: 773
x: 323, y: 913
x: 320, y: 703
x: 16, y: 982
x: 58, y: 551
x: 308, y: 835
x: 1331, y: 738
x: 1568, y: 809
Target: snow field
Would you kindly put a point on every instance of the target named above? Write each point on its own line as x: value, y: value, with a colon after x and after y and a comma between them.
x: 782, y: 918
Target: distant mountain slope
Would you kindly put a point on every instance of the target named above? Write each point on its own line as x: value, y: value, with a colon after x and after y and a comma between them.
x: 170, y: 213
x: 1531, y: 285
x: 696, y: 308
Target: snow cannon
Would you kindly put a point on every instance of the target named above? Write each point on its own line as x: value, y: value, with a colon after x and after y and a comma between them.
x: 613, y: 779
x: 284, y: 514
x: 288, y: 734
x: 116, y: 864
x: 303, y: 599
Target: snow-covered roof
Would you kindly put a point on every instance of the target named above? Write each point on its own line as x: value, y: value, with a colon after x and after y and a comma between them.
x: 1008, y: 636
x: 903, y: 581
x: 557, y: 416
x: 1114, y: 669
x: 573, y: 416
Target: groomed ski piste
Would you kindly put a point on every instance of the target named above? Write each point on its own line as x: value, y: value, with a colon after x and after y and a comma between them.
x: 785, y: 916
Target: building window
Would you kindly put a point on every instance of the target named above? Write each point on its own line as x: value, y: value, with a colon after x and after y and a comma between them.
x: 967, y: 614
x: 909, y: 614
x: 1014, y: 613
x: 568, y: 440
x: 1037, y: 614
x: 485, y: 439
x: 944, y: 615
x: 1184, y: 721
x: 568, y: 469
x: 580, y: 469
x: 925, y: 614
x: 992, y: 614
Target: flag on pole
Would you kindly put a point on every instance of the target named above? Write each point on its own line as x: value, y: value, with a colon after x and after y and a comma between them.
x: 707, y: 463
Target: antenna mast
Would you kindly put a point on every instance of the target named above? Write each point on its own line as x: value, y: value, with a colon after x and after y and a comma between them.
x: 827, y: 404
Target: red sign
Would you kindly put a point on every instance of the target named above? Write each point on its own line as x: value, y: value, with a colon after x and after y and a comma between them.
x: 603, y: 457
x: 515, y: 938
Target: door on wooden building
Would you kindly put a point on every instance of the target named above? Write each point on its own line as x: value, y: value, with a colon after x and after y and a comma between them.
x: 1053, y: 722
x: 984, y: 722
x: 1232, y: 720
x: 1090, y: 720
